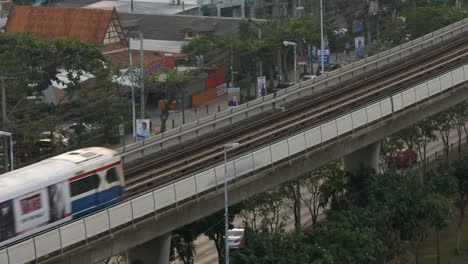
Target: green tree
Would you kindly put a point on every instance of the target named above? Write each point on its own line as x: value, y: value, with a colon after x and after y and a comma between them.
x: 213, y: 227
x: 423, y: 20
x: 264, y: 247
x: 351, y: 236
x: 35, y: 65
x: 266, y: 209
x: 461, y: 174
x: 172, y: 84
x: 182, y: 242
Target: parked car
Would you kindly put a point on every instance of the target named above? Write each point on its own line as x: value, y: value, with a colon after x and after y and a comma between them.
x: 402, y: 157
x: 284, y: 84
x: 328, y: 68
x: 340, y: 31
x: 57, y: 138
x: 236, y: 238
x: 307, y: 77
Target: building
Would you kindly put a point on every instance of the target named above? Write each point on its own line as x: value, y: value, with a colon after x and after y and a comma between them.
x: 52, y: 23
x: 168, y: 33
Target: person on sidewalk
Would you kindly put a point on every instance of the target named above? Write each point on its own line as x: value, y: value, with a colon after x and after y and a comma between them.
x: 347, y: 47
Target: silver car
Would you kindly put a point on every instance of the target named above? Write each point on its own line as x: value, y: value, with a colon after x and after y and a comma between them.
x: 235, y: 238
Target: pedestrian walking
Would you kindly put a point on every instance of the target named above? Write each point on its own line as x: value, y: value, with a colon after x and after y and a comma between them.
x: 347, y: 47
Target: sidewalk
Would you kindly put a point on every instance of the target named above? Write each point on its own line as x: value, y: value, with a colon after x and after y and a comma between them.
x: 214, y: 106
x: 191, y: 114
x: 176, y: 117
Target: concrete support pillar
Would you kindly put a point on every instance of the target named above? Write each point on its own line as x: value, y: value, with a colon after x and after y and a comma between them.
x: 367, y: 157
x: 218, y: 10
x: 243, y: 10
x: 155, y: 251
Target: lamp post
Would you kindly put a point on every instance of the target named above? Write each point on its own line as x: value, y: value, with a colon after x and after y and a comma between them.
x: 321, y: 35
x: 294, y: 44
x: 133, y: 92
x: 8, y: 134
x: 226, y: 215
x: 142, y: 71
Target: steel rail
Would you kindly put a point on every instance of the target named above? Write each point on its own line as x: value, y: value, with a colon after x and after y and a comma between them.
x: 249, y: 141
x: 161, y: 159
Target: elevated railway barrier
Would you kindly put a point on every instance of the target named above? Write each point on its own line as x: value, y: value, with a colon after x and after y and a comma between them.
x: 83, y: 232
x: 317, y: 85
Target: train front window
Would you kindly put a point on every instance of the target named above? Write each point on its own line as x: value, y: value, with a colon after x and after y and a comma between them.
x: 84, y: 185
x: 111, y: 175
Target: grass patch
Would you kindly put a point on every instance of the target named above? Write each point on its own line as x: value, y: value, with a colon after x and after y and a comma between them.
x: 448, y: 240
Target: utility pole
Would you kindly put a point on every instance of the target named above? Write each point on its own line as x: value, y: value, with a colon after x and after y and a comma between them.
x: 5, y: 120
x: 131, y: 6
x: 232, y: 68
x: 260, y: 37
x: 132, y: 79
x: 142, y: 81
x: 321, y: 35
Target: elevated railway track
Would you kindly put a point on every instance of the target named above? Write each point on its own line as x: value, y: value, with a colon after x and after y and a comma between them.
x: 169, y: 166
x: 316, y: 118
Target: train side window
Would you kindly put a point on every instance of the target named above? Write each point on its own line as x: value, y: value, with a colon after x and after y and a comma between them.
x: 84, y: 185
x: 111, y: 175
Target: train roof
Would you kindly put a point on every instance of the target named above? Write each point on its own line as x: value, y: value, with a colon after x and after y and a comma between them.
x: 49, y: 171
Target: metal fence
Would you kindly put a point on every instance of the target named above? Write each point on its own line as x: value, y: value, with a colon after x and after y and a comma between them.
x: 317, y: 85
x: 83, y: 230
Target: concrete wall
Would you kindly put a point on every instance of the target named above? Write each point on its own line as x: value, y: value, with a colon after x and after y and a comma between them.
x: 204, y: 205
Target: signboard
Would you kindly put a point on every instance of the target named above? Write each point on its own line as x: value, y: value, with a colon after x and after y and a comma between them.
x: 221, y: 89
x: 121, y: 130
x: 326, y: 56
x: 359, y: 44
x: 157, y: 65
x: 261, y: 86
x: 143, y: 129
x: 233, y: 97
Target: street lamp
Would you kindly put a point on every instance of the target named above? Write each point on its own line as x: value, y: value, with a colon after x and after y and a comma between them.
x: 142, y: 71
x: 226, y: 218
x: 8, y: 134
x: 289, y: 43
x: 321, y: 35
x: 133, y: 91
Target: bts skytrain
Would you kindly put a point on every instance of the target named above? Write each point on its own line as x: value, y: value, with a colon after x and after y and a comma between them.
x: 58, y: 189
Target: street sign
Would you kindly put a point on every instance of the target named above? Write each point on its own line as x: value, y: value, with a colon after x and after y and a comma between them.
x: 121, y: 130
x: 326, y: 56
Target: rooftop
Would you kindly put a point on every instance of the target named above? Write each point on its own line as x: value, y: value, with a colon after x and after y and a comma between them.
x: 59, y: 23
x: 139, y: 7
x: 173, y: 28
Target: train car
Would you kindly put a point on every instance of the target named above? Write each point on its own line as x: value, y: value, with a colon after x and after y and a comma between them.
x: 58, y: 189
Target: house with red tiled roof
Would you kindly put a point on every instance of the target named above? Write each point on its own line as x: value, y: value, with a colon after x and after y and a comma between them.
x: 52, y: 23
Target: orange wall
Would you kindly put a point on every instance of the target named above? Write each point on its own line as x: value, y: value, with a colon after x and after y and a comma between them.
x: 203, y: 97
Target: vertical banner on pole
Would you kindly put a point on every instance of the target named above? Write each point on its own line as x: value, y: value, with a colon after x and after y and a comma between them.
x: 359, y: 44
x: 261, y: 86
x: 233, y: 96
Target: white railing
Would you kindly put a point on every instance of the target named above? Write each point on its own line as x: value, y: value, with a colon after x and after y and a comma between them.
x: 227, y: 118
x: 81, y: 230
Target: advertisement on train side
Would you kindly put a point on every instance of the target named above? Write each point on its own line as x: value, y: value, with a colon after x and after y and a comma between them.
x: 30, y: 211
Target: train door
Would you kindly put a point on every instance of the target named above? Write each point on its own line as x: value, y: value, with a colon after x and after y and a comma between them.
x: 84, y: 195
